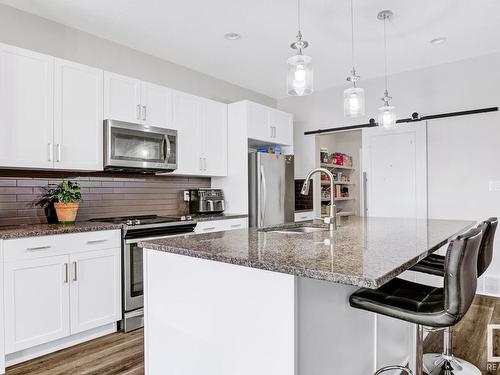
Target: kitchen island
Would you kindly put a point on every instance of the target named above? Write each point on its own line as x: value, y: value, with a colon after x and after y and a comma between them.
x: 275, y: 300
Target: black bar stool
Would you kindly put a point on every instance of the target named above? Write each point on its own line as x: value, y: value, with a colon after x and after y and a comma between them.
x: 434, y: 265
x: 425, y: 305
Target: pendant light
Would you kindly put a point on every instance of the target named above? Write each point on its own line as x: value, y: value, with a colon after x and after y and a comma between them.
x: 354, y: 97
x: 300, y: 71
x: 387, y: 114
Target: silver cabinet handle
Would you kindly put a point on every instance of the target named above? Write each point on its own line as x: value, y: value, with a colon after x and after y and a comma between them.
x: 235, y: 225
x: 75, y: 270
x: 201, y: 164
x: 38, y: 248
x: 144, y: 113
x: 91, y: 242
x: 51, y: 151
x: 210, y: 228
x: 204, y: 164
x: 271, y: 130
x: 138, y: 112
x: 66, y: 273
x: 274, y: 127
x: 58, y: 157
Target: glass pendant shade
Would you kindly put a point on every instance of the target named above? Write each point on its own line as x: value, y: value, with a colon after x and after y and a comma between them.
x: 387, y: 117
x: 299, y: 80
x: 354, y: 102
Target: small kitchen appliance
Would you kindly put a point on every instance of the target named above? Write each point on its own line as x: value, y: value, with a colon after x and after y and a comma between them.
x: 206, y: 201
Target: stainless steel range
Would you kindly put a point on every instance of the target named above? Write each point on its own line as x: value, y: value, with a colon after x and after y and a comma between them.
x: 139, y: 228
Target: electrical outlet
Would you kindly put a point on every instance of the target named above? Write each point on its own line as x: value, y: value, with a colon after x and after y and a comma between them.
x: 494, y: 186
x: 186, y: 195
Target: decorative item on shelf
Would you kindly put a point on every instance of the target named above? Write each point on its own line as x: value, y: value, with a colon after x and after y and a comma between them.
x: 300, y: 70
x: 269, y: 150
x: 387, y: 114
x: 65, y: 198
x: 323, y: 155
x: 354, y: 97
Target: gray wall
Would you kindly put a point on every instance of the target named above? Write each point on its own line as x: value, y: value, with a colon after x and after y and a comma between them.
x: 39, y: 34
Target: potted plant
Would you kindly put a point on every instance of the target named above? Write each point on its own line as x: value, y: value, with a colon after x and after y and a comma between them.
x: 65, y: 198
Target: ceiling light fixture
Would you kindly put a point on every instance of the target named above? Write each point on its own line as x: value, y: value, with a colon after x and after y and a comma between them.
x: 299, y: 80
x: 232, y: 36
x: 354, y: 97
x: 439, y: 40
x: 387, y: 114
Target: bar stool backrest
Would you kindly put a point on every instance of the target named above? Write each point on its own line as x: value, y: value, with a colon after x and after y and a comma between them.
x: 486, y: 249
x: 460, y: 279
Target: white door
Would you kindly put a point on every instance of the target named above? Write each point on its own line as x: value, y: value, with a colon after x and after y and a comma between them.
x: 95, y: 289
x: 258, y: 122
x: 214, y: 138
x: 36, y: 302
x: 281, y: 127
x: 395, y: 162
x: 156, y: 104
x: 27, y: 108
x: 122, y: 98
x: 186, y: 114
x: 78, y: 116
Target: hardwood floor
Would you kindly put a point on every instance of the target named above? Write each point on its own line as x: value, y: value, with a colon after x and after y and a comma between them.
x: 123, y: 353
x: 118, y: 353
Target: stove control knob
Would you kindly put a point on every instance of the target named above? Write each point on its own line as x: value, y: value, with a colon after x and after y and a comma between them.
x: 137, y: 222
x: 129, y: 222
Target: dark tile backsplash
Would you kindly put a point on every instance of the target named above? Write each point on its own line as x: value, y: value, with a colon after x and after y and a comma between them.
x: 104, y: 194
x: 303, y: 202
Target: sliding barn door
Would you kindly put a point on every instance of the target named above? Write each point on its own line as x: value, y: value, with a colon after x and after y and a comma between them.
x: 395, y: 171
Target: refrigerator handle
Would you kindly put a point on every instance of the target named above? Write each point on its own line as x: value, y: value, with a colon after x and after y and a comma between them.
x: 264, y: 196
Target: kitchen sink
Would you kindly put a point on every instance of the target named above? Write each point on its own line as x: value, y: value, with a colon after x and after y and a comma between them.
x: 298, y: 230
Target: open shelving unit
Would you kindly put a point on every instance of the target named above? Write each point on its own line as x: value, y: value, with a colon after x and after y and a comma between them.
x: 343, y: 210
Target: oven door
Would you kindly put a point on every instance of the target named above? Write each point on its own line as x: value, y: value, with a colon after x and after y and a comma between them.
x: 136, y: 147
x: 133, y: 280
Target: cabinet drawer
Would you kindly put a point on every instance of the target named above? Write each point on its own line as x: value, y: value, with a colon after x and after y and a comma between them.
x: 37, y: 247
x: 304, y: 216
x: 220, y: 225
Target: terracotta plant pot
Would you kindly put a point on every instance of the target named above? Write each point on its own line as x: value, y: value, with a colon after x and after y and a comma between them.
x: 66, y: 212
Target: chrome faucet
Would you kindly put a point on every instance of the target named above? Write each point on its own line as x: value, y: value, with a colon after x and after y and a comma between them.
x: 332, y: 219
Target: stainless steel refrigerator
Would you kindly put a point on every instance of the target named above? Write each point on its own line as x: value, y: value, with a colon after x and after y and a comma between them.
x: 271, y: 189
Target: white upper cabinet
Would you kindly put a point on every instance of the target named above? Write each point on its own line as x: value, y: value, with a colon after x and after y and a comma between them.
x: 122, y: 98
x: 202, y: 135
x: 78, y: 116
x: 131, y: 100
x: 269, y: 125
x: 27, y: 107
x: 156, y: 105
x: 214, y: 136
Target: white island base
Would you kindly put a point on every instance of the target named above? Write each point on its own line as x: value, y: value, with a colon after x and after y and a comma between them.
x: 208, y: 318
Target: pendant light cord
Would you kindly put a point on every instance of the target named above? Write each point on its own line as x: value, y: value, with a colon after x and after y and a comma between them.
x: 298, y: 15
x: 385, y: 53
x: 352, y: 37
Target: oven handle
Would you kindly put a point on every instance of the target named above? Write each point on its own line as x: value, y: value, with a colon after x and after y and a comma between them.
x: 136, y: 240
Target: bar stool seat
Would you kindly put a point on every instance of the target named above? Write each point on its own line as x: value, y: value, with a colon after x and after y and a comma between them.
x: 425, y: 305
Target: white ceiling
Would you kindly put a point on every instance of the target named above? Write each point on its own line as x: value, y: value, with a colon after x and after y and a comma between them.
x: 190, y: 33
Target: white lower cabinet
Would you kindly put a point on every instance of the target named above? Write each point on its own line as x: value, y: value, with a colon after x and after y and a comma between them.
x: 95, y: 289
x: 61, y: 285
x: 220, y: 225
x: 36, y: 302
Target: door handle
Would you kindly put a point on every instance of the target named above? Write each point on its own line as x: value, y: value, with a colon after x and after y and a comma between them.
x: 365, y: 193
x: 38, y: 248
x: 210, y: 228
x: 58, y: 158
x: 75, y: 270
x: 66, y: 273
x: 95, y: 241
x: 235, y: 225
x: 138, y: 112
x: 51, y: 151
x: 144, y: 112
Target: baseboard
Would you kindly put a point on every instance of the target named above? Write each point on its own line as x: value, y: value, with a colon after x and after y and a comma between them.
x: 53, y: 346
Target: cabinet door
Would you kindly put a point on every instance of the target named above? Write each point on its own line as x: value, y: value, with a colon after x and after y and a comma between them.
x: 122, y: 98
x: 258, y: 122
x: 156, y: 105
x: 214, y: 138
x: 186, y: 113
x: 36, y: 302
x: 26, y: 105
x: 95, y: 289
x: 78, y: 116
x: 281, y: 127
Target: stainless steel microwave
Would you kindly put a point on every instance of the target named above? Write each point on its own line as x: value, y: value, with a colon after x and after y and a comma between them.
x: 139, y: 148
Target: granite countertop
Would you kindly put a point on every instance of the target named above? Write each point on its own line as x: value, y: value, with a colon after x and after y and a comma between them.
x: 211, y: 217
x: 363, y: 252
x: 35, y: 230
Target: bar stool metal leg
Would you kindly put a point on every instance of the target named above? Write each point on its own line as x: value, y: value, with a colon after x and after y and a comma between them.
x: 446, y: 363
